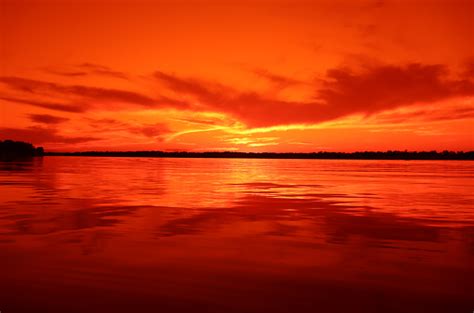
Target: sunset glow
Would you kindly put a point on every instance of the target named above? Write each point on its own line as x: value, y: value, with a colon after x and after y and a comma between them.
x: 238, y: 75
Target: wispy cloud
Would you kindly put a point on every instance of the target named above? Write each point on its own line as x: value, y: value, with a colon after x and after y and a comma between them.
x: 85, y: 69
x: 42, y: 135
x: 72, y: 108
x: 279, y: 80
x: 80, y: 98
x: 102, y: 70
x: 47, y: 119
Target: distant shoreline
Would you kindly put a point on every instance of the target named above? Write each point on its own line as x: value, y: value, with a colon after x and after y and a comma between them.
x: 366, y: 155
x: 11, y: 150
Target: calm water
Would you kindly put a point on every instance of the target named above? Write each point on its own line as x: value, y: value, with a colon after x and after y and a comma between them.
x: 236, y: 235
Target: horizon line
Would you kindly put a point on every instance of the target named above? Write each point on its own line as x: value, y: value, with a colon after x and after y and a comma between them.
x: 359, y: 155
x: 264, y: 152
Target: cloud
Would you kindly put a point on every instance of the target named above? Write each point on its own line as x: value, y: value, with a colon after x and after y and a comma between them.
x: 106, y: 123
x: 468, y: 71
x: 341, y: 93
x: 85, y: 69
x: 250, y: 107
x: 387, y: 87
x: 157, y: 131
x: 67, y: 73
x: 102, y: 70
x: 72, y: 108
x: 47, y: 119
x: 38, y: 87
x: 428, y: 115
x: 41, y: 135
x: 279, y: 80
x: 207, y: 92
x: 88, y: 97
x: 201, y: 121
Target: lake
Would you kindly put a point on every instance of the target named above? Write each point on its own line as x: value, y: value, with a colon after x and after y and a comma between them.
x: 98, y: 234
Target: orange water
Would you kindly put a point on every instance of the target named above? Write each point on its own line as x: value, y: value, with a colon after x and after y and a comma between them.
x: 96, y: 234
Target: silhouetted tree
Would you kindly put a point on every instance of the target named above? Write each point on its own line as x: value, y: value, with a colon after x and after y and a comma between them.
x: 12, y: 150
x: 39, y: 151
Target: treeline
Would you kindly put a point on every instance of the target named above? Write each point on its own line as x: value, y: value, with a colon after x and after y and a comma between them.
x: 365, y: 155
x: 12, y: 150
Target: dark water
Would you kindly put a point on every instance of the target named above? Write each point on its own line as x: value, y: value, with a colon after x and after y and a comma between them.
x: 236, y: 235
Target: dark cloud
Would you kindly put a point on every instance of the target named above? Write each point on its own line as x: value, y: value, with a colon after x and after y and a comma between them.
x: 67, y: 73
x: 48, y: 105
x: 157, y: 131
x: 279, y: 80
x: 90, y: 97
x: 102, y: 70
x: 207, y: 92
x: 41, y: 135
x: 342, y: 92
x: 85, y: 69
x: 106, y: 123
x: 94, y: 93
x: 428, y: 115
x: 47, y: 119
x: 468, y: 71
x: 387, y: 87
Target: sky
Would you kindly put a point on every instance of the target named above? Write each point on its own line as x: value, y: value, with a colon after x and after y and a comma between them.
x: 280, y: 76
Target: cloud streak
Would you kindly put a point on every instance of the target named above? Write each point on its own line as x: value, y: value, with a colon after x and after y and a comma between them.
x: 84, y: 97
x: 42, y: 135
x: 47, y: 119
x: 102, y: 70
x: 428, y: 115
x: 341, y: 93
x: 86, y: 69
x: 278, y: 80
x: 71, y: 108
x: 94, y: 93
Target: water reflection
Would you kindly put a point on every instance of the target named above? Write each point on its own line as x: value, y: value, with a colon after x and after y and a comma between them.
x: 229, y: 235
x: 27, y: 224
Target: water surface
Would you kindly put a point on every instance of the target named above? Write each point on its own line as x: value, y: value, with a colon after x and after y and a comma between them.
x: 95, y: 234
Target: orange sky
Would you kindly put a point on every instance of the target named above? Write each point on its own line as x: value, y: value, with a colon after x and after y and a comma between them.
x: 238, y: 75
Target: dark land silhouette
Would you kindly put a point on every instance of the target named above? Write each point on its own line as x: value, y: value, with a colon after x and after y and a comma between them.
x: 365, y: 155
x: 12, y: 150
